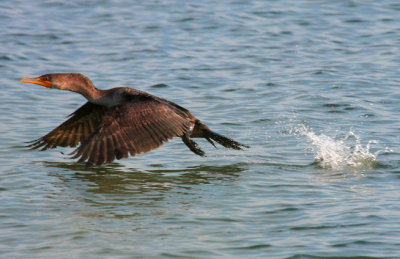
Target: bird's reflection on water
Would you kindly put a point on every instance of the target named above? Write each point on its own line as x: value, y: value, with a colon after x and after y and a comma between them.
x: 117, y: 179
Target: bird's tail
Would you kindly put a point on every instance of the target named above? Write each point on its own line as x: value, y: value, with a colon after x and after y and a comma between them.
x: 222, y: 140
x: 203, y: 131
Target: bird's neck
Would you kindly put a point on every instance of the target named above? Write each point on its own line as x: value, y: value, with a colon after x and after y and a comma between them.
x: 92, y: 93
x: 108, y: 98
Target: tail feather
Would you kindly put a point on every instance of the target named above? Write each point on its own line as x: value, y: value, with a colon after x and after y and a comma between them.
x: 224, y: 141
x: 211, y: 142
x: 201, y: 130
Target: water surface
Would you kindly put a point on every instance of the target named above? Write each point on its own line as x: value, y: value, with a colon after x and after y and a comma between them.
x: 311, y: 86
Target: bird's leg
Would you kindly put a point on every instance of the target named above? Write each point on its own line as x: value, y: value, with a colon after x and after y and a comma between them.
x: 192, y: 145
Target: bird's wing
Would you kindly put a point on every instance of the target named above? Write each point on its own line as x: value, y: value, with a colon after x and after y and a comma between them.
x: 77, y: 128
x: 138, y: 126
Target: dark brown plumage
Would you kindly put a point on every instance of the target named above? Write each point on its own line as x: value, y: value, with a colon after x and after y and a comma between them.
x: 120, y: 121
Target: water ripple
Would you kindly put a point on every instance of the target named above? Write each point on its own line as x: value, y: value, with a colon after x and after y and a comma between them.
x: 311, y: 86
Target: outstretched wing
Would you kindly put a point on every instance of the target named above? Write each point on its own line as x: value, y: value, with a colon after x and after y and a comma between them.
x: 76, y: 129
x: 138, y: 126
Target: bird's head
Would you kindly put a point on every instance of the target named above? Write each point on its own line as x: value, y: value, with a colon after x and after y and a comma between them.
x: 64, y: 81
x: 44, y: 80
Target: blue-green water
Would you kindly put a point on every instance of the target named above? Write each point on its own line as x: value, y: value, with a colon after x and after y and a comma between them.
x: 312, y: 86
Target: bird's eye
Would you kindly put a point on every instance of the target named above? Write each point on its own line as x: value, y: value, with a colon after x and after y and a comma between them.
x: 45, y: 78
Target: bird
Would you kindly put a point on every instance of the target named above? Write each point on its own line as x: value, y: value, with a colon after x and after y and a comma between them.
x: 119, y: 122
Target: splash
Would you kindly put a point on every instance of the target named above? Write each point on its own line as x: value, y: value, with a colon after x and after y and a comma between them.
x: 339, y: 153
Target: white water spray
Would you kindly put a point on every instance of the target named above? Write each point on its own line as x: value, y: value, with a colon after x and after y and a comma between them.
x: 338, y: 153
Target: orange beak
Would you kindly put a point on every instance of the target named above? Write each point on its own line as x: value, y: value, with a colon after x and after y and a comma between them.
x: 39, y: 81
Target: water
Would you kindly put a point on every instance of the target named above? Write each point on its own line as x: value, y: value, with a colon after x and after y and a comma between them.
x: 311, y: 86
x: 346, y: 152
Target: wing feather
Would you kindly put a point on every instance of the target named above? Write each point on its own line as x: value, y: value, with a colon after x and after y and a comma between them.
x: 110, y: 151
x: 73, y: 130
x: 137, y: 126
